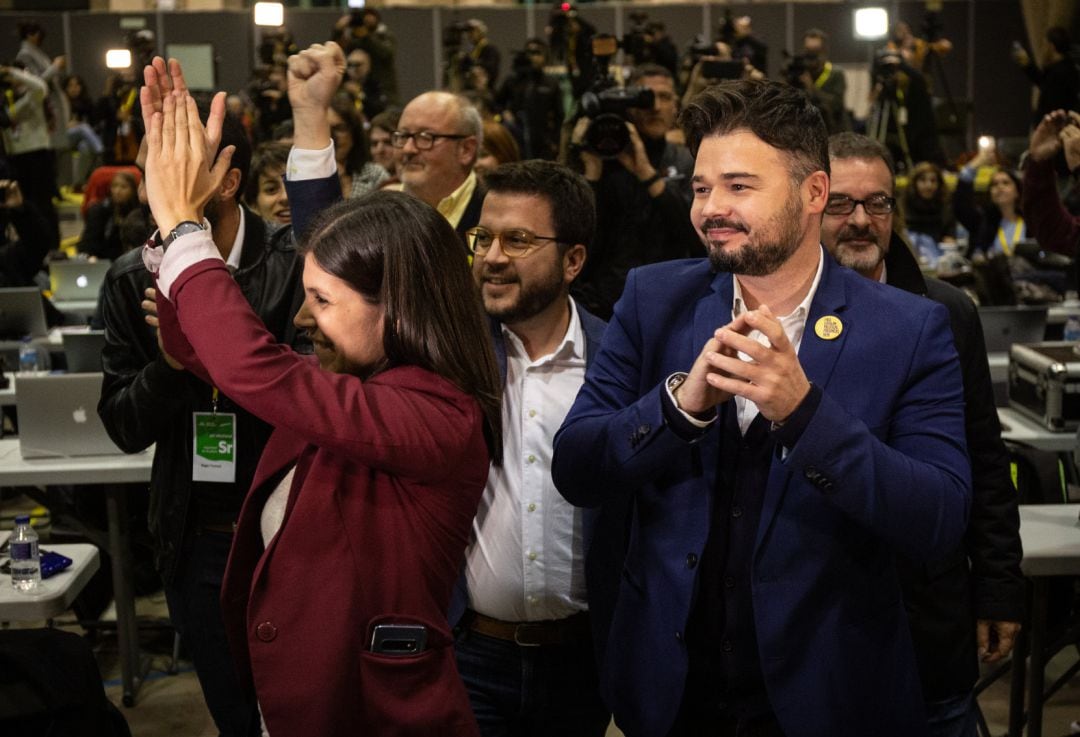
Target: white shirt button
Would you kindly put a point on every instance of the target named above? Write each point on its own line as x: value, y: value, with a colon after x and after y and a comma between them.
x: 531, y: 507
x: 532, y: 413
x: 532, y: 555
x: 532, y: 458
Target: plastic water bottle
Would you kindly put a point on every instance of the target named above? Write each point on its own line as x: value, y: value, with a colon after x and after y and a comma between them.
x: 1071, y: 306
x: 28, y: 356
x: 25, y: 559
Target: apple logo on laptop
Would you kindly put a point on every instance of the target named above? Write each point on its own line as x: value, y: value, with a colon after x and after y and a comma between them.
x: 79, y: 415
x: 82, y: 281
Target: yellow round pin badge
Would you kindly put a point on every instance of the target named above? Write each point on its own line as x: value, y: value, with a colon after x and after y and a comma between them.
x: 828, y: 327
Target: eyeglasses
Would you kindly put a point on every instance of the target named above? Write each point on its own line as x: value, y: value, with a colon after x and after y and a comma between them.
x: 515, y: 242
x: 423, y: 140
x: 879, y: 204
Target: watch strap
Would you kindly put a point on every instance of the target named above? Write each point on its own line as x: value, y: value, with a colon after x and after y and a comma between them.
x: 182, y: 228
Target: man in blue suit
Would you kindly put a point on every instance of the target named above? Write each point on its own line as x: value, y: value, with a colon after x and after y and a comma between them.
x: 782, y: 428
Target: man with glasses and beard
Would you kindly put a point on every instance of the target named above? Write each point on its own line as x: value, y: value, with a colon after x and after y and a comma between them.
x: 980, y: 581
x: 147, y: 398
x: 782, y: 428
x: 522, y: 608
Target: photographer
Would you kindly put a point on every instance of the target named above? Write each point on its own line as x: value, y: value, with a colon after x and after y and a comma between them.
x: 648, y: 43
x: 26, y: 139
x: 642, y: 191
x: 364, y: 29
x: 1058, y: 79
x: 738, y: 34
x: 25, y: 235
x: 533, y: 100
x: 812, y: 72
x: 711, y: 63
x: 901, y: 113
x: 570, y: 38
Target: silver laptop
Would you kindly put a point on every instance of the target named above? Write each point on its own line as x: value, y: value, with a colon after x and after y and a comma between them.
x: 22, y: 312
x: 77, y: 280
x: 58, y: 416
x: 1004, y: 326
x: 83, y: 351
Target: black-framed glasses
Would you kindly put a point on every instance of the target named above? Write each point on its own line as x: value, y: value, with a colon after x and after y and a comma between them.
x: 515, y: 242
x: 424, y: 140
x: 878, y: 204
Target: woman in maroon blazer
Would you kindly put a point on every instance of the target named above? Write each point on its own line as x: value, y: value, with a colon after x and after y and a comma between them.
x: 353, y: 533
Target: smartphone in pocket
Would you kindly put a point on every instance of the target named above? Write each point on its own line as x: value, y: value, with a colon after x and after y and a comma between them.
x: 399, y: 639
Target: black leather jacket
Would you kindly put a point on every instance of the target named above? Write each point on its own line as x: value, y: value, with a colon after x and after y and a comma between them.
x: 145, y: 401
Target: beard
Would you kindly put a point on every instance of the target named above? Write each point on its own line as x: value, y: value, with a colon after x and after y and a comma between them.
x: 760, y: 255
x: 863, y: 260
x: 532, y: 298
x: 212, y: 212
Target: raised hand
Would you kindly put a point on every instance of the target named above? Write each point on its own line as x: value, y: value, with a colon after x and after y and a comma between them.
x: 160, y: 80
x: 314, y: 77
x: 1044, y: 142
x: 179, y: 178
x: 1070, y: 141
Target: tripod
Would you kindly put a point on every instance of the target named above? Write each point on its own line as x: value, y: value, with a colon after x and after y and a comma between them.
x: 889, y: 110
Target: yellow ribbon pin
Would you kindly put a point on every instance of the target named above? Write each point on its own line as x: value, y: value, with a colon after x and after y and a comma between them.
x: 828, y: 327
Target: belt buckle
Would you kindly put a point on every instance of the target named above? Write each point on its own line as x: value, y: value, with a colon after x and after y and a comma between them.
x: 524, y: 628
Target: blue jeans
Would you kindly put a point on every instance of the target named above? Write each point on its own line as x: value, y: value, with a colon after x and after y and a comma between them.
x: 520, y: 691
x: 952, y: 717
x: 194, y: 607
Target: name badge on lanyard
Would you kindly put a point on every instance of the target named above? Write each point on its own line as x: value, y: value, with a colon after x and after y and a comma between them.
x: 214, y: 446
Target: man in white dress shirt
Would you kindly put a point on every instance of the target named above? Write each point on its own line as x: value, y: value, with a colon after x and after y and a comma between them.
x: 525, y: 641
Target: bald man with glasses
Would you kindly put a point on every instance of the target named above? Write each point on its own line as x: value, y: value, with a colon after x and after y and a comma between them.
x: 439, y: 136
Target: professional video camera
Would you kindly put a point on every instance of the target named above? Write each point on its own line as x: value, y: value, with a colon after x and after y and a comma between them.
x: 796, y: 65
x: 886, y: 65
x: 607, y: 104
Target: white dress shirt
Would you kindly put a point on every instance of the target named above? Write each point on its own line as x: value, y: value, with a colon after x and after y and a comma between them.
x: 794, y: 326
x: 526, y: 562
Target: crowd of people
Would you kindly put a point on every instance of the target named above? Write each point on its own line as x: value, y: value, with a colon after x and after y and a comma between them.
x: 565, y: 396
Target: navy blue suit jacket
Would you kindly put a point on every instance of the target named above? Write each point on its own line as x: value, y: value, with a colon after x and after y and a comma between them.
x: 881, y: 468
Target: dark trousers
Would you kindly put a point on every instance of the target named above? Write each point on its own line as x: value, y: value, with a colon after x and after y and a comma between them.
x: 706, y: 712
x: 194, y: 607
x: 519, y: 691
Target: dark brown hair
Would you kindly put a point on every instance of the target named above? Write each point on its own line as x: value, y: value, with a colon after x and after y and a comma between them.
x: 500, y: 143
x: 360, y: 152
x: 777, y: 113
x: 267, y: 156
x: 399, y: 252
x: 573, y: 204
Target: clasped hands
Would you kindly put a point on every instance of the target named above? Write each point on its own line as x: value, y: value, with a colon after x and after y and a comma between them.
x: 183, y: 167
x: 773, y: 378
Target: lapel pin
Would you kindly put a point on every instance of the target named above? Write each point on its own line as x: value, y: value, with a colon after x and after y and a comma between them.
x: 828, y: 327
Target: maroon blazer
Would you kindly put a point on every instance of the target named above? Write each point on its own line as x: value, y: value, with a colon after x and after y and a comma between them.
x: 389, y: 473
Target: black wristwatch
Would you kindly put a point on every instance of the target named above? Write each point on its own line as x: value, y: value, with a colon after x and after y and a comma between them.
x: 182, y: 228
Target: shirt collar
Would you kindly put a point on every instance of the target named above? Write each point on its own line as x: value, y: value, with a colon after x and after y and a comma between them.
x: 800, y: 311
x: 571, y: 348
x: 233, y: 261
x: 452, y: 207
